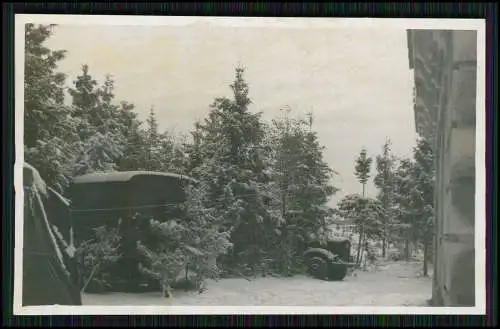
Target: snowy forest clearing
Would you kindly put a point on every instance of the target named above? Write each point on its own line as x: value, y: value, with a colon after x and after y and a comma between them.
x: 389, y: 284
x: 263, y: 197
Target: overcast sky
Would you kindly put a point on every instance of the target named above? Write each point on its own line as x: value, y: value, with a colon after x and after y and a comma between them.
x: 356, y: 82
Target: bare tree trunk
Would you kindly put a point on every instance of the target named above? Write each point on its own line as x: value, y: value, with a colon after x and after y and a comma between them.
x: 360, y: 243
x: 186, y: 277
x: 284, y: 236
x: 364, y: 251
x: 360, y: 240
x: 426, y: 256
x: 384, y: 237
x: 284, y: 207
x: 384, y: 246
x: 407, y: 248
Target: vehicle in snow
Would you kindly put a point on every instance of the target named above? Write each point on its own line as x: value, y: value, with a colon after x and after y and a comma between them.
x: 125, y: 201
x: 49, y: 266
x: 329, y: 261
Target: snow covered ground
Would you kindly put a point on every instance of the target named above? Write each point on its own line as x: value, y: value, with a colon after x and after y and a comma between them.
x: 390, y: 284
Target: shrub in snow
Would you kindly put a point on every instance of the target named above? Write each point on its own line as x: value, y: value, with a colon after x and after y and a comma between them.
x: 187, y: 246
x: 162, y: 265
x: 96, y: 254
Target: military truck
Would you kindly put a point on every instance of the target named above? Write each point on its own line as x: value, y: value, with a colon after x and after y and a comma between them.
x: 329, y: 261
x: 126, y: 201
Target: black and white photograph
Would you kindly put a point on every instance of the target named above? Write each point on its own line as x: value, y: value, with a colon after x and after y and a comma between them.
x: 197, y: 165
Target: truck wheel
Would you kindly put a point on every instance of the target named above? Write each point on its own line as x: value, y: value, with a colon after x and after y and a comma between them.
x: 337, y: 272
x: 318, y: 267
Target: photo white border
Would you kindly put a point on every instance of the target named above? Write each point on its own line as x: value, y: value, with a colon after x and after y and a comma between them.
x: 334, y: 23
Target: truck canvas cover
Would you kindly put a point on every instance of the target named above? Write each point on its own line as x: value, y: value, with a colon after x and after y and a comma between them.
x: 49, y: 276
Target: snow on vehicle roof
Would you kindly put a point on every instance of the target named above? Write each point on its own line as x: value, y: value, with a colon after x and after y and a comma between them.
x: 31, y: 177
x: 124, y: 176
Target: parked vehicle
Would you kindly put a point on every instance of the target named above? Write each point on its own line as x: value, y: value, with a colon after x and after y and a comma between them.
x: 330, y: 261
x: 49, y: 268
x: 127, y: 201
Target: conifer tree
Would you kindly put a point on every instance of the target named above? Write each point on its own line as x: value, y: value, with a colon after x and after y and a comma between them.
x: 229, y: 159
x: 302, y: 185
x: 362, y: 172
x: 50, y: 133
x: 99, y: 126
x: 385, y: 183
